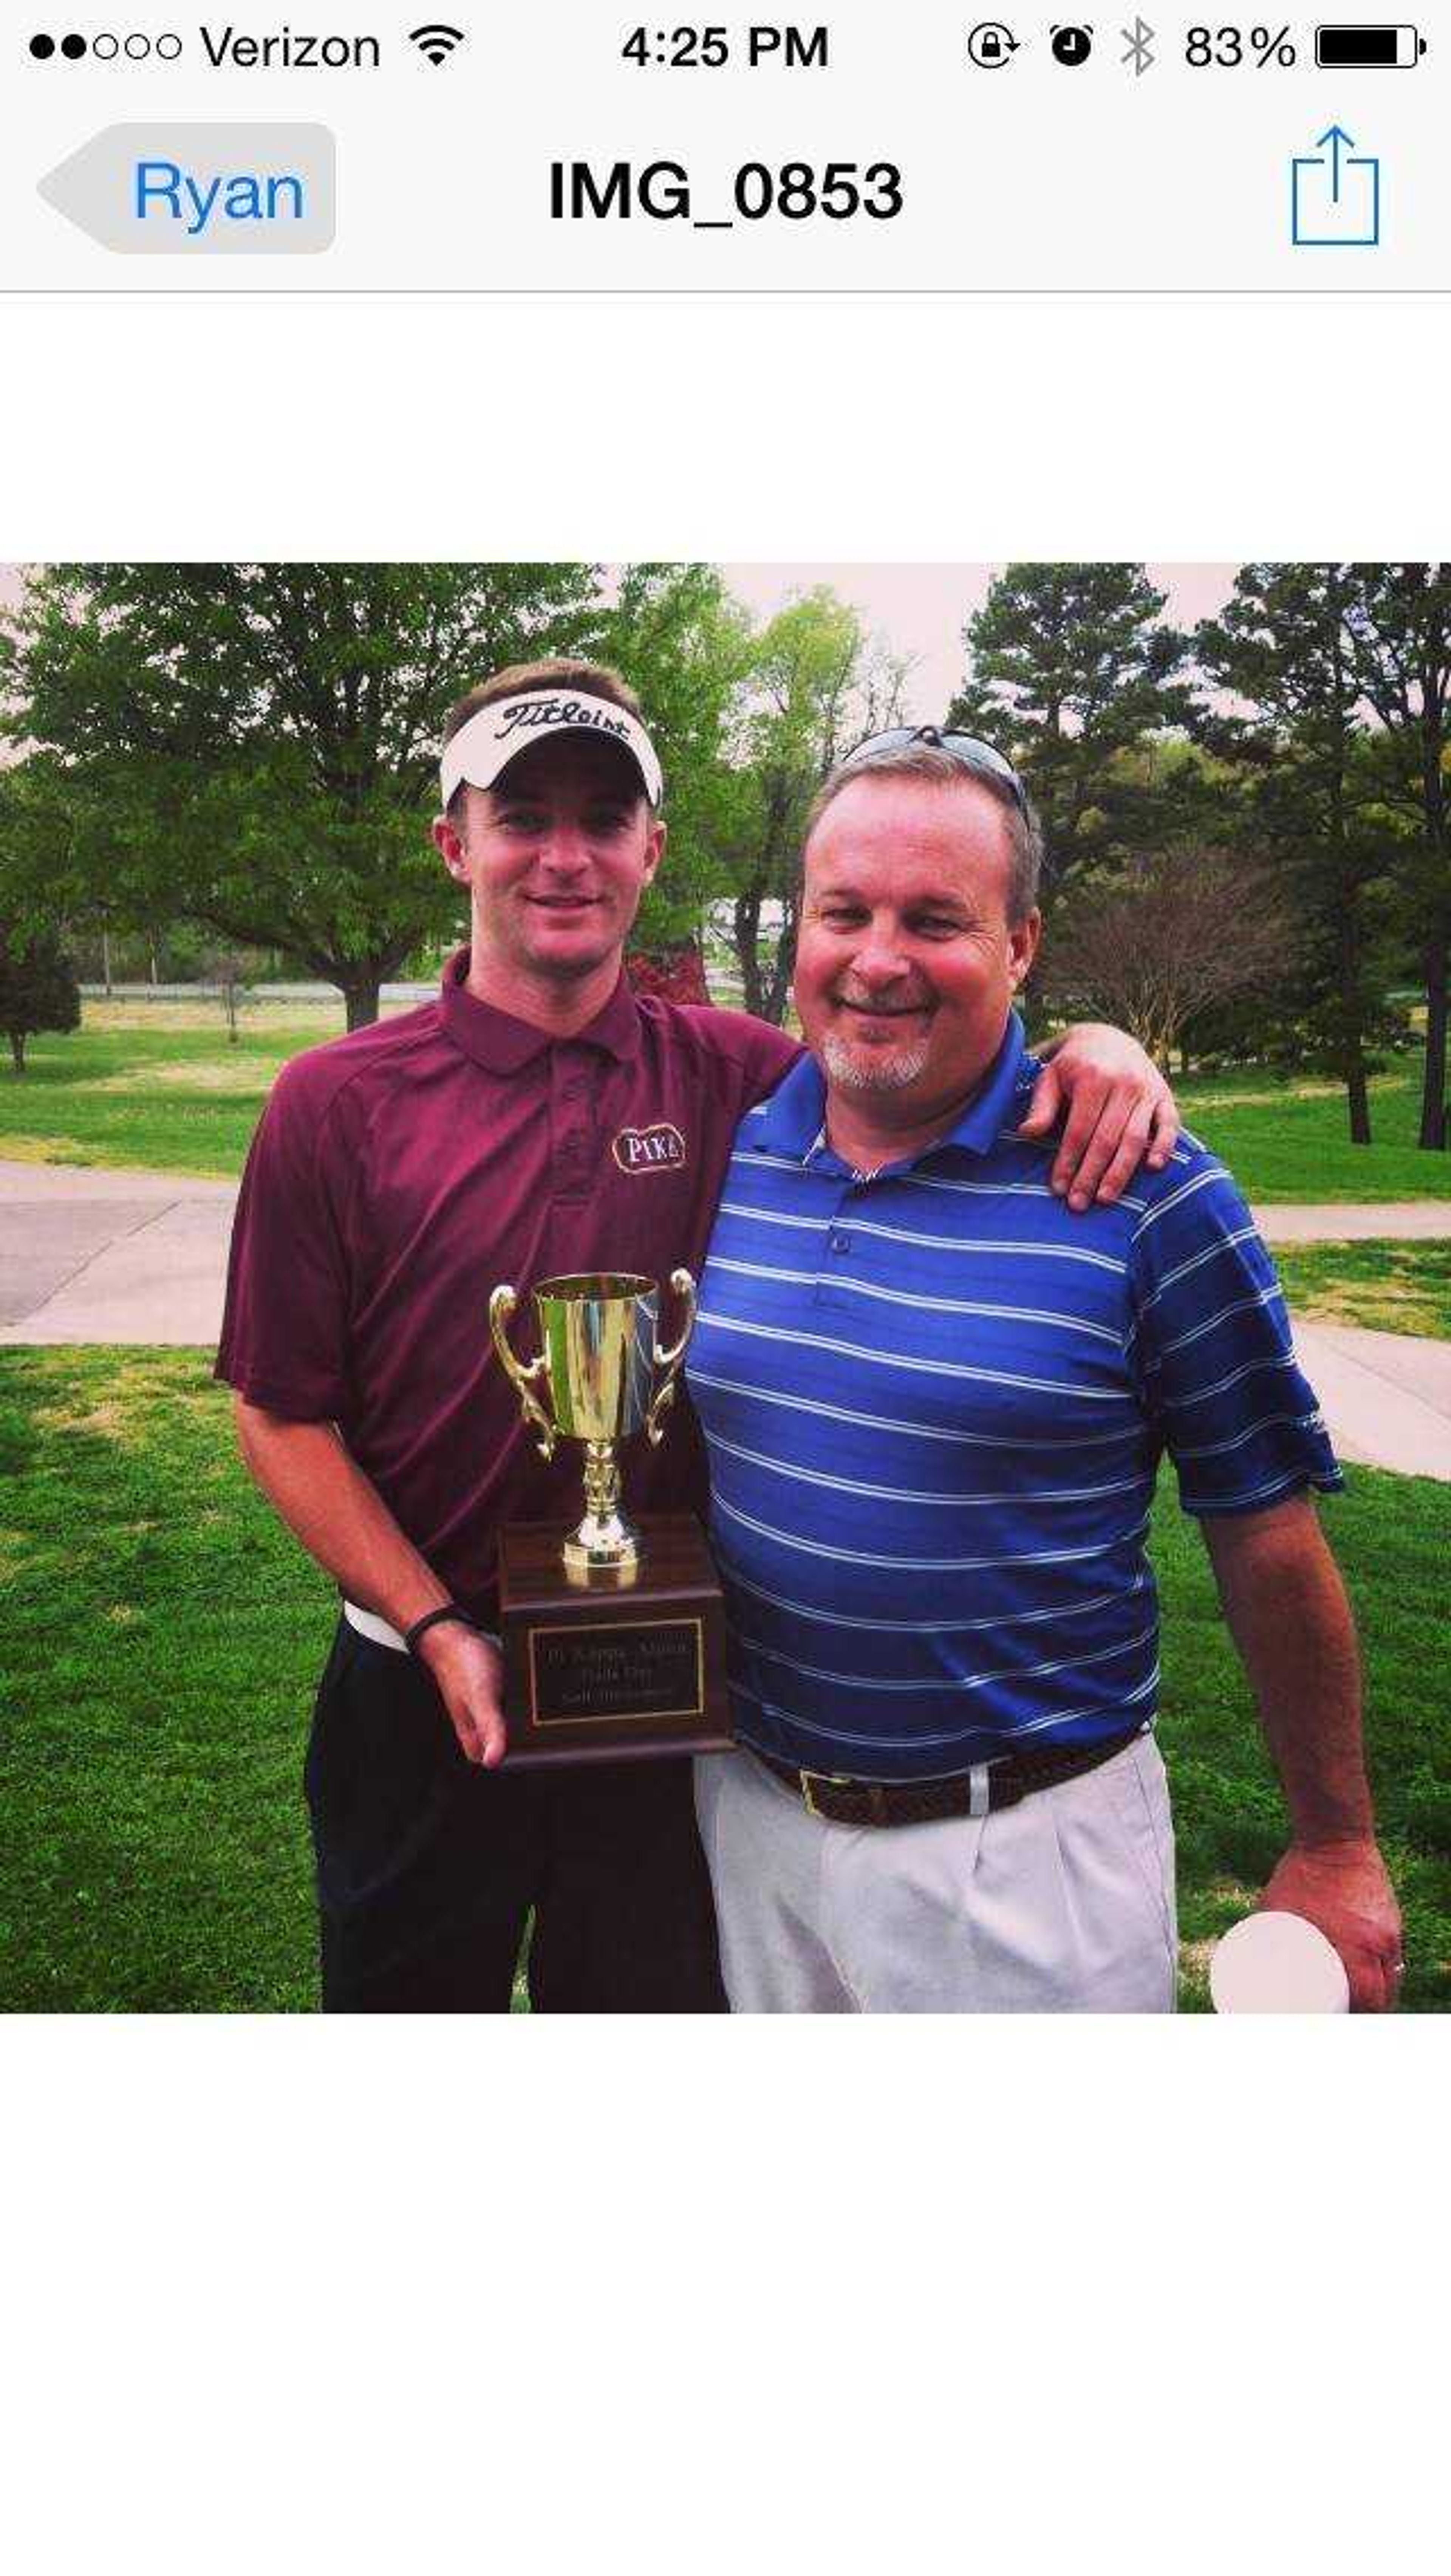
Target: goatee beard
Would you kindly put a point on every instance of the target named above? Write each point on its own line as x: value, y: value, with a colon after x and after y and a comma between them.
x: 854, y: 1068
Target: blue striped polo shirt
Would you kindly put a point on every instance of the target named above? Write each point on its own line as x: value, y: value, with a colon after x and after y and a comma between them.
x: 935, y: 1402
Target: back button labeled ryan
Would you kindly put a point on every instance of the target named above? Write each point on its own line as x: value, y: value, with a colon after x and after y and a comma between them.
x: 181, y: 190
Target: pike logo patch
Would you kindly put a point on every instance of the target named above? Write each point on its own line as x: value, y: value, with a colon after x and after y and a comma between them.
x: 649, y: 1149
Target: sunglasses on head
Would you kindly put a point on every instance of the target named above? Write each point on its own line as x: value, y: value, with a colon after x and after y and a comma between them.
x: 978, y: 758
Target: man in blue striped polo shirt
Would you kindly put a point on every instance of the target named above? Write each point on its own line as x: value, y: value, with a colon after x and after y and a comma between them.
x: 935, y: 1402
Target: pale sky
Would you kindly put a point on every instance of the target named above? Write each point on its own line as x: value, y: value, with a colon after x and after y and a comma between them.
x: 922, y: 608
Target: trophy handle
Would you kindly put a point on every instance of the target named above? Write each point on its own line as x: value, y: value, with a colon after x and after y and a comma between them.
x: 669, y: 1360
x: 501, y: 1307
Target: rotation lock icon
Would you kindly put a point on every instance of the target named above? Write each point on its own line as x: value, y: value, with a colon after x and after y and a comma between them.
x: 991, y: 46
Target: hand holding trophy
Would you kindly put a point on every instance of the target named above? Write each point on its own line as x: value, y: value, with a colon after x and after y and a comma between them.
x: 613, y: 1635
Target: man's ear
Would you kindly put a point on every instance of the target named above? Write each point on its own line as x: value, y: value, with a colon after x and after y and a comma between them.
x: 654, y: 850
x: 446, y: 841
x: 1023, y: 938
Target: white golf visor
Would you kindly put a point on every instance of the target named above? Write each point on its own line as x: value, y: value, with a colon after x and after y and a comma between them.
x: 482, y: 749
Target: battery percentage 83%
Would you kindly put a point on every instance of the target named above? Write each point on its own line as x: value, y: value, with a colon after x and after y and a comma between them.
x: 1226, y: 48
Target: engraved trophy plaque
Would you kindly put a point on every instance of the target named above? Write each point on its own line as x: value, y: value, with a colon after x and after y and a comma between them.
x: 613, y: 1634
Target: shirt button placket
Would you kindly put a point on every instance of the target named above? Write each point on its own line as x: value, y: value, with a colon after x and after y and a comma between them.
x: 837, y: 1246
x: 571, y: 1126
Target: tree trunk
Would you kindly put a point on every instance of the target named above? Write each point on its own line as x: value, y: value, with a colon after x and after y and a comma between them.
x: 1357, y: 1095
x: 106, y: 962
x: 1433, y: 1098
x: 779, y: 988
x: 17, y: 1050
x: 746, y: 923
x: 1348, y: 929
x: 360, y: 994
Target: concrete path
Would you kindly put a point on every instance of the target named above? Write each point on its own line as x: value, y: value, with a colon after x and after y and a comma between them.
x: 1386, y: 1397
x: 96, y: 1256
x: 1408, y: 1220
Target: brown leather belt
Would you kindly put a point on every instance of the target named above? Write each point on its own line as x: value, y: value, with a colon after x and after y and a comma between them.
x: 978, y: 1792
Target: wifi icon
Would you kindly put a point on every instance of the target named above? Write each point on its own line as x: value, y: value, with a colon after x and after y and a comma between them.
x: 436, y: 42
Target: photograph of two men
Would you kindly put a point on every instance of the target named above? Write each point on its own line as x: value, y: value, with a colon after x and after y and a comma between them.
x: 725, y: 1288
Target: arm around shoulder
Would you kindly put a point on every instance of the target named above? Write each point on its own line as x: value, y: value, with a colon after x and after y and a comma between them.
x: 1117, y: 1110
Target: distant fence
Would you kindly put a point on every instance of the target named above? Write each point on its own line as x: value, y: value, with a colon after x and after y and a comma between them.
x: 724, y: 987
x: 253, y: 992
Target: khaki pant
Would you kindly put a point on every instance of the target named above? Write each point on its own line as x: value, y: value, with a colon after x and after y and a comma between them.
x: 1063, y: 1903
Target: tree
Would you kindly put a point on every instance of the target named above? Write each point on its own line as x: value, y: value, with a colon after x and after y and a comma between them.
x: 254, y: 745
x: 684, y: 645
x: 38, y: 990
x: 1165, y: 940
x: 229, y: 973
x: 1401, y: 631
x: 1285, y: 645
x: 1070, y: 668
x: 815, y: 686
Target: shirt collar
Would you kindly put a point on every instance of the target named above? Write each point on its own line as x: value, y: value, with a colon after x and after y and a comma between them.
x: 502, y: 1044
x: 796, y: 1112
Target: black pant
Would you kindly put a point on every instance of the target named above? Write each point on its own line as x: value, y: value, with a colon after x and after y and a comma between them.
x: 427, y: 1867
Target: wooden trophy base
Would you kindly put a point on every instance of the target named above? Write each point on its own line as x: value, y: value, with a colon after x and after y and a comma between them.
x: 612, y: 1667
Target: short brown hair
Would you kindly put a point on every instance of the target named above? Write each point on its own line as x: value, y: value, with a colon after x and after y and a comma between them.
x: 537, y: 679
x: 928, y: 760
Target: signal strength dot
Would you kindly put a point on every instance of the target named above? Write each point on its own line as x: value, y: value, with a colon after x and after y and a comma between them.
x: 437, y: 42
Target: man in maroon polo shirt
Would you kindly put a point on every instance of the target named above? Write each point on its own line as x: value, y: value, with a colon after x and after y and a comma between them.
x: 537, y: 1118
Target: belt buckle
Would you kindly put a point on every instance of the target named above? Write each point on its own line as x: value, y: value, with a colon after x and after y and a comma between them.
x: 826, y: 1780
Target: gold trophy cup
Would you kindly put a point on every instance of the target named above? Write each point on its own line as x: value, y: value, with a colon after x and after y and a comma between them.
x: 613, y: 1634
x: 605, y: 1375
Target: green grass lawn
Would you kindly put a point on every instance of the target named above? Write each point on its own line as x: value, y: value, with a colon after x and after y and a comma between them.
x: 156, y: 1086
x: 1388, y: 1287
x: 153, y: 1086
x: 153, y: 1099
x: 1290, y: 1140
x: 164, y: 1635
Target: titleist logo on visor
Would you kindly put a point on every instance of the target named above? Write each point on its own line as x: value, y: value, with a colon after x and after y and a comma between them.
x: 555, y: 711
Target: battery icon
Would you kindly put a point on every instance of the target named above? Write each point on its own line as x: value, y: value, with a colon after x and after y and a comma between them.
x: 1365, y: 49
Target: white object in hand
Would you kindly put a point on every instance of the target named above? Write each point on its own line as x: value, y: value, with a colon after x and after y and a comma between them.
x: 1277, y: 1963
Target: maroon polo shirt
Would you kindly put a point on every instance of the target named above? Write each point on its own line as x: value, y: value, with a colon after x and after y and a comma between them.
x: 399, y: 1173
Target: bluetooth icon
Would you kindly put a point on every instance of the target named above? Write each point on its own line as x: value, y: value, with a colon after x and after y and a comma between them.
x: 1139, y: 47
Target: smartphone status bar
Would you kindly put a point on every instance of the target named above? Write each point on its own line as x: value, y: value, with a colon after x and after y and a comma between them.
x: 595, y: 150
